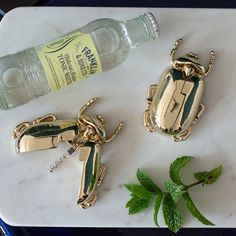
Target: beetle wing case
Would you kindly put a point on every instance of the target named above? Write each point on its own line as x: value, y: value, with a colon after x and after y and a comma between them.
x: 46, y: 135
x: 176, y: 102
x: 90, y: 154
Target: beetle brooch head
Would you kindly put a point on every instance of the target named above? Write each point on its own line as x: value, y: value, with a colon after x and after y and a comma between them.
x: 175, y: 105
x: 95, y: 126
x: 86, y: 134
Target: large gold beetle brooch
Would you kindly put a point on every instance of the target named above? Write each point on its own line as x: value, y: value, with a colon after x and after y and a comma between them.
x: 175, y: 105
x: 85, y: 134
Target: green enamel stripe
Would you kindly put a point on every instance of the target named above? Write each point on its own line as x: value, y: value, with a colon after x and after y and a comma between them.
x: 91, y: 167
x: 190, y: 100
x: 50, y: 129
x: 176, y: 75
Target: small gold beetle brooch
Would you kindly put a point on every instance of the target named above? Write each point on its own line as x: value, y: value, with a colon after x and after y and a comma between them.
x: 86, y: 134
x: 175, y: 105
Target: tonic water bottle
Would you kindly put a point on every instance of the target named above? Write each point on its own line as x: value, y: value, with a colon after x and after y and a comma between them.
x: 98, y: 46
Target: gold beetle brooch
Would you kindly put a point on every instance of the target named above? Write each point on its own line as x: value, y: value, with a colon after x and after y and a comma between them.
x: 85, y: 134
x: 175, y: 105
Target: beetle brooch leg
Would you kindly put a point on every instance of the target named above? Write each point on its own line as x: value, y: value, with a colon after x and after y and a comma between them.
x: 212, y: 59
x: 185, y: 135
x: 201, y: 110
x: 147, y: 117
x: 103, y: 170
x: 93, y: 198
x: 91, y: 201
x: 173, y: 51
x: 22, y: 126
x: 87, y: 105
x: 117, y: 131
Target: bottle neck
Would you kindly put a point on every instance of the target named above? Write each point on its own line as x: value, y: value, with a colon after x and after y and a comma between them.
x: 141, y: 29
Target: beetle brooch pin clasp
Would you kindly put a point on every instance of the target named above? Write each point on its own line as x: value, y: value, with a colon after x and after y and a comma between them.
x: 175, y: 105
x: 86, y: 134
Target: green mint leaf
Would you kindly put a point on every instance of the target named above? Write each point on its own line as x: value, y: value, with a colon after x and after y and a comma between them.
x: 174, y: 189
x: 172, y: 216
x: 176, y: 166
x: 137, y: 205
x: 147, y: 182
x: 139, y: 191
x: 195, y: 212
x: 201, y: 176
x: 132, y: 201
x: 209, y: 177
x: 157, y: 207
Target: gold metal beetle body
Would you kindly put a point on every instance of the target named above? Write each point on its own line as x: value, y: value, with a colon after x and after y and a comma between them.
x: 175, y: 105
x: 86, y: 134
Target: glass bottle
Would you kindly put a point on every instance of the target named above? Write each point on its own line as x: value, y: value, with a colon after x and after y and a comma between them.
x: 98, y: 46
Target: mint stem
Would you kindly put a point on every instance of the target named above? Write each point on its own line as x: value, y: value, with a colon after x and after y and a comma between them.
x: 194, y: 184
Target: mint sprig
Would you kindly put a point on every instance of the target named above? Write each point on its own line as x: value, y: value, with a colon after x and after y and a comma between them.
x: 147, y: 192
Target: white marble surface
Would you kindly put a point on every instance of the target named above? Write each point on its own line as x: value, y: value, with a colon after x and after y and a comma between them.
x: 31, y: 196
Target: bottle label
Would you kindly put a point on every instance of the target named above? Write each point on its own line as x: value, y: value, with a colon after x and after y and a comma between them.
x: 69, y: 59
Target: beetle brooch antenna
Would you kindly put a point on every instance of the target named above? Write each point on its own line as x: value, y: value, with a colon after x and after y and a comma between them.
x: 85, y: 135
x: 175, y: 105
